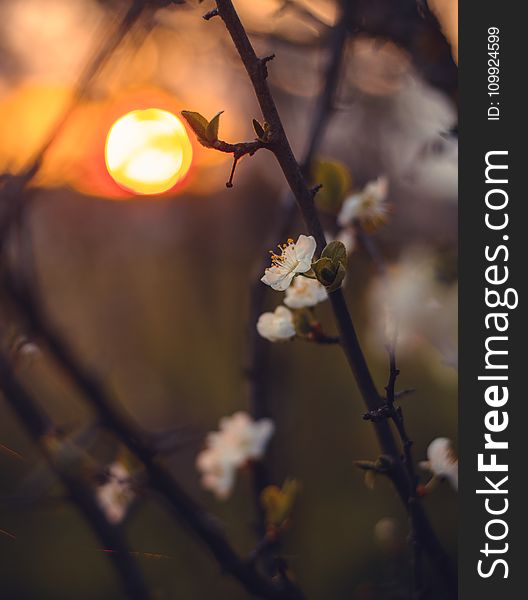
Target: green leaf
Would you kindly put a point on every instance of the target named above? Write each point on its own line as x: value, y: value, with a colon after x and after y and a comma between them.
x: 278, y: 502
x: 259, y: 130
x: 336, y: 252
x: 211, y: 132
x: 336, y: 182
x: 329, y: 273
x: 197, y: 122
x: 324, y: 270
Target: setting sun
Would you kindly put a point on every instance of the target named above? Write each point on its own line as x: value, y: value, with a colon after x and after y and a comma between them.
x: 148, y: 151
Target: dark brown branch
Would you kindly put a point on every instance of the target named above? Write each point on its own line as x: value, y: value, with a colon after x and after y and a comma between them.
x: 238, y: 150
x: 281, y: 148
x: 38, y: 426
x: 187, y: 510
x: 390, y: 411
x: 396, y: 414
x: 323, y: 339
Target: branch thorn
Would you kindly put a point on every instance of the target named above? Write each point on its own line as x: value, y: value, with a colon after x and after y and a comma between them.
x: 264, y: 61
x: 209, y: 15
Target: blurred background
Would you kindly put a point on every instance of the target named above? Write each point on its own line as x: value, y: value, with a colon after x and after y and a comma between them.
x: 153, y: 291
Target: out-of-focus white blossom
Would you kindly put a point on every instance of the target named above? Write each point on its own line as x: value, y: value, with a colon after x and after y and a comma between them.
x: 368, y: 207
x: 442, y: 461
x: 305, y: 292
x: 295, y: 258
x: 387, y: 532
x: 29, y: 349
x: 115, y: 495
x: 218, y: 473
x: 277, y: 326
x: 240, y: 439
x: 415, y: 307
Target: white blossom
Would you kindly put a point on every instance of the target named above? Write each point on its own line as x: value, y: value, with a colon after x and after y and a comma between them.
x: 369, y: 207
x: 295, y: 258
x: 442, y: 461
x: 115, y: 495
x: 218, y: 473
x: 305, y: 292
x: 409, y: 302
x: 240, y: 439
x: 276, y: 326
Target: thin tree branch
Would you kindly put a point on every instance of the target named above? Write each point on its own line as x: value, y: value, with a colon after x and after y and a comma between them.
x: 281, y: 148
x: 39, y: 427
x: 396, y: 414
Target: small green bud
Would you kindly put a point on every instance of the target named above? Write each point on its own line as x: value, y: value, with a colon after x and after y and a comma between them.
x: 278, y: 502
x: 324, y: 270
x: 336, y: 252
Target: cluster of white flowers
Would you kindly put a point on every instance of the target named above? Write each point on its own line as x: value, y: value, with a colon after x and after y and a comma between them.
x: 301, y: 292
x: 238, y: 441
x: 442, y: 461
x: 368, y: 207
x: 115, y: 495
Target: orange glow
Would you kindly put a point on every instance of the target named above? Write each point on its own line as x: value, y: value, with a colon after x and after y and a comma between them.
x: 148, y: 151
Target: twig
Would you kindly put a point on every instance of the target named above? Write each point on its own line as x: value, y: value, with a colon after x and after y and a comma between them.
x: 38, y: 426
x: 396, y: 414
x: 238, y: 151
x: 281, y: 148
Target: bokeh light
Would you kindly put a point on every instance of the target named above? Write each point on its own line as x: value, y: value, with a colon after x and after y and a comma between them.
x: 148, y: 151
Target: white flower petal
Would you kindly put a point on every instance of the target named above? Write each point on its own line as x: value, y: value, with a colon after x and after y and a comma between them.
x: 115, y: 495
x: 349, y: 210
x: 442, y: 460
x: 278, y: 278
x: 238, y: 440
x: 305, y: 292
x: 304, y: 251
